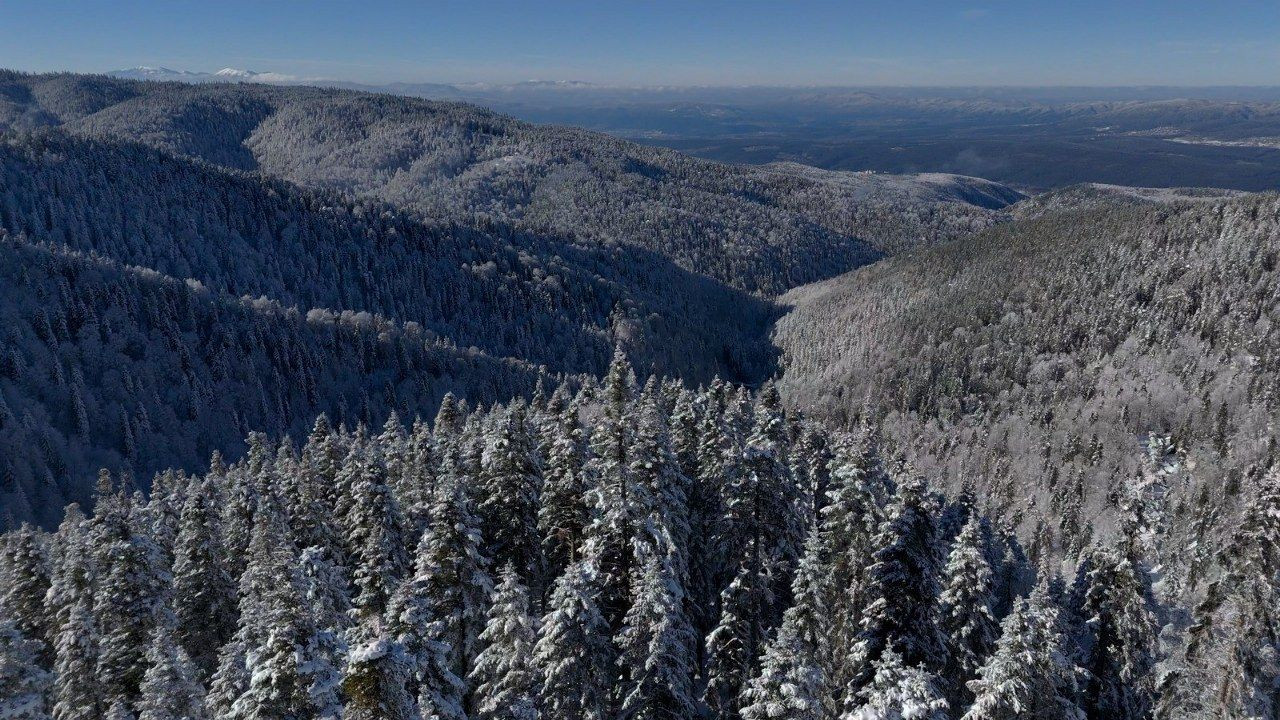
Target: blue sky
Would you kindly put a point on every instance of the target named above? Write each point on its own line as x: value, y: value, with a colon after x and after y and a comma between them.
x: 903, y: 42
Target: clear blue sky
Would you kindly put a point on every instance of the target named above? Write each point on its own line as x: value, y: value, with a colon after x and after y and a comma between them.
x: 894, y: 42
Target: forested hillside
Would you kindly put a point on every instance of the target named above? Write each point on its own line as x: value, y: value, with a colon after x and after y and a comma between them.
x: 1063, y: 358
x: 758, y: 229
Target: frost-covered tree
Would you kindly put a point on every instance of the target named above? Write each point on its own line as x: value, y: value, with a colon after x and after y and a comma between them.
x: 968, y: 626
x: 445, y: 602
x: 510, y: 487
x: 1030, y: 673
x: 899, y: 692
x: 171, y: 689
x: 26, y: 583
x: 204, y: 594
x: 374, y: 682
x: 374, y: 533
x: 654, y: 648
x: 563, y: 512
x: 504, y: 676
x: 1118, y: 637
x: 24, y: 685
x: 77, y: 692
x: 574, y: 654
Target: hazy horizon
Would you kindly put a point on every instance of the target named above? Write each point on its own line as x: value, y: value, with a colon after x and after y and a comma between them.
x: 818, y: 43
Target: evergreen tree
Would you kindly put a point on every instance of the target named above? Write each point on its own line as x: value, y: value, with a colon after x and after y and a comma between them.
x: 1030, y: 673
x: 204, y: 599
x: 231, y: 679
x: 1117, y: 640
x: 170, y: 689
x: 504, y: 675
x: 901, y: 587
x: 449, y: 591
x: 574, y: 653
x: 508, y: 507
x: 375, y: 533
x: 78, y: 695
x: 899, y: 692
x: 964, y: 612
x: 24, y: 685
x: 374, y: 683
x: 792, y: 681
x: 26, y: 583
x: 654, y: 648
x: 563, y: 512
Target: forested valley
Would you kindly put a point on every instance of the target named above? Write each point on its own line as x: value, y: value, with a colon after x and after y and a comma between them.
x: 324, y: 404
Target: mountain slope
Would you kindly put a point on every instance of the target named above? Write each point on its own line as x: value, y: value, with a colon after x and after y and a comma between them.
x: 1065, y: 353
x: 755, y: 230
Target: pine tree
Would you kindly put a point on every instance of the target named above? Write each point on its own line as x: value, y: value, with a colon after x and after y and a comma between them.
x: 26, y: 583
x: 964, y: 612
x: 1030, y: 673
x: 128, y: 601
x: 655, y: 647
x: 170, y: 689
x: 231, y: 679
x: 618, y: 503
x: 901, y: 587
x: 899, y: 692
x: 287, y: 670
x: 503, y: 675
x: 24, y: 685
x: 656, y: 470
x: 375, y: 534
x: 736, y: 640
x: 563, y: 512
x: 574, y: 653
x: 449, y: 591
x: 508, y: 507
x: 1118, y: 638
x: 78, y: 695
x: 792, y: 682
x: 204, y: 599
x: 374, y: 683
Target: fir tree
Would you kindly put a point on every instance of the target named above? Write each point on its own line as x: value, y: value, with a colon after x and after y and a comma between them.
x: 899, y: 692
x: 24, y: 685
x: 170, y: 689
x: 508, y: 508
x: 26, y: 583
x: 375, y: 534
x: 574, y: 653
x: 374, y: 683
x: 964, y: 612
x: 78, y: 695
x: 504, y: 675
x: 654, y: 648
x: 563, y: 513
x: 204, y: 599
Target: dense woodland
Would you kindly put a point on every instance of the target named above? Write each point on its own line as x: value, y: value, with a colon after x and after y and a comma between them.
x: 1020, y: 463
x: 616, y: 552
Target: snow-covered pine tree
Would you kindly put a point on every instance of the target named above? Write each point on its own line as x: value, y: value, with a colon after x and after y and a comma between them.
x: 899, y: 692
x: 374, y: 533
x: 24, y: 685
x: 288, y: 672
x: 448, y: 594
x: 376, y: 675
x: 204, y: 594
x: 1118, y: 637
x: 25, y: 585
x: 968, y: 626
x: 1030, y: 673
x: 574, y: 654
x: 171, y: 689
x: 655, y: 648
x: 231, y: 679
x: 901, y: 588
x: 129, y: 599
x: 737, y: 639
x: 563, y: 511
x: 503, y: 676
x: 77, y: 693
x: 791, y: 683
x: 508, y: 506
x: 618, y: 504
x: 654, y: 468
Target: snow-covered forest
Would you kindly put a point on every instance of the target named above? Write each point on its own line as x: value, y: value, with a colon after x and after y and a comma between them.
x: 407, y: 409
x: 609, y: 551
